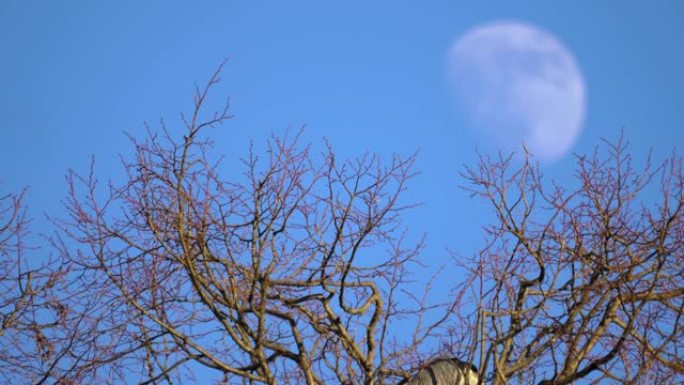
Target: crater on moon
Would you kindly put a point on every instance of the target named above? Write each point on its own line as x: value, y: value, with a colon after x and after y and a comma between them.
x: 518, y: 84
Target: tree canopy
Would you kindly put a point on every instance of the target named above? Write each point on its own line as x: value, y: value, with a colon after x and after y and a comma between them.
x: 299, y: 271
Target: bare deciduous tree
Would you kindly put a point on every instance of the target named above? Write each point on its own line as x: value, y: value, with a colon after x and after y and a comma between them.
x: 582, y: 283
x: 17, y: 283
x: 29, y: 312
x: 297, y: 269
x: 289, y: 273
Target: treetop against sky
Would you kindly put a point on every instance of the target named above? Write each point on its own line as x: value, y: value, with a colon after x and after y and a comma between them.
x: 419, y: 102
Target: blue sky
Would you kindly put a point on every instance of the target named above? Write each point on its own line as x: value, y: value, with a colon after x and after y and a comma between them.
x: 366, y: 75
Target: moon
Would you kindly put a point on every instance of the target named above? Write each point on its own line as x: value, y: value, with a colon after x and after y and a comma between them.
x: 518, y: 84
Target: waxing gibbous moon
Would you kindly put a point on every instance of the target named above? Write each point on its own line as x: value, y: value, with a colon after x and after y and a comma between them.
x: 518, y: 84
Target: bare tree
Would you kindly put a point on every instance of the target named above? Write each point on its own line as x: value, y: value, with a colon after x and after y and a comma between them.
x: 291, y: 272
x: 579, y: 283
x: 28, y: 310
x: 297, y: 269
x: 17, y: 282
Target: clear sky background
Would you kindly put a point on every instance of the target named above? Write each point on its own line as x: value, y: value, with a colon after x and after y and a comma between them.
x: 74, y: 75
